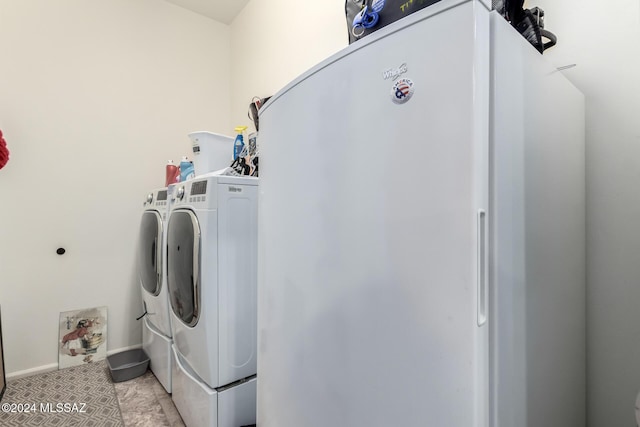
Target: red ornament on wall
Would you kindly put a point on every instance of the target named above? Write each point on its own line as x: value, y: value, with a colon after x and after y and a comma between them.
x: 4, y: 151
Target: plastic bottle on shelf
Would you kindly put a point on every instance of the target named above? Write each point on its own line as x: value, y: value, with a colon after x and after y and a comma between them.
x: 238, y: 145
x: 186, y: 169
x: 172, y: 174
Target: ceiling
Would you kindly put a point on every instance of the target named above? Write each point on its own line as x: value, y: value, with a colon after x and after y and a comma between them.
x: 221, y: 10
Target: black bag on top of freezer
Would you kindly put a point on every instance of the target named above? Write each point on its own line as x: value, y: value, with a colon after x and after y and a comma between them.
x: 366, y: 16
x: 528, y: 22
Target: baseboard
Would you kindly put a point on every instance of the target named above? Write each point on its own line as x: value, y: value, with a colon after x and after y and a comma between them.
x: 32, y: 371
x: 54, y: 366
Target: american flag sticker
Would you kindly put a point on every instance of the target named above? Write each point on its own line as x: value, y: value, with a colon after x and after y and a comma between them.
x: 402, y: 91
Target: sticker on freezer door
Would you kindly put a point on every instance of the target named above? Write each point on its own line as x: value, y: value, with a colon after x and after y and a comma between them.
x: 402, y: 91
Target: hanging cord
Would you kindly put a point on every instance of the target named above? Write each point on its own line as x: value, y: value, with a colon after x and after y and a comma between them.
x: 539, y: 15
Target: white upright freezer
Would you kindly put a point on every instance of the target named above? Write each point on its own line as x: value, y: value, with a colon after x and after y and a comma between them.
x: 421, y: 233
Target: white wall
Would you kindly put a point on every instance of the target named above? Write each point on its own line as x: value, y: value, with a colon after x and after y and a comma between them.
x: 95, y: 96
x: 603, y: 39
x: 273, y: 41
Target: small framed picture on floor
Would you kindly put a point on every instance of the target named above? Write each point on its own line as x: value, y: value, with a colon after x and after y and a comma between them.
x: 83, y: 337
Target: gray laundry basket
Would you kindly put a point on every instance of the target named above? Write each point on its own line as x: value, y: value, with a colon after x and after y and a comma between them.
x: 127, y: 365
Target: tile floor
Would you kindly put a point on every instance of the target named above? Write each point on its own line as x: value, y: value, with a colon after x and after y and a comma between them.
x: 144, y: 402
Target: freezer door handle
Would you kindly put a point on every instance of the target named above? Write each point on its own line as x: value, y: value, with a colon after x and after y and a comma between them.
x: 482, y: 267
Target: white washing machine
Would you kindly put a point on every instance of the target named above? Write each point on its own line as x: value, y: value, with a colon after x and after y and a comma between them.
x: 212, y: 283
x: 156, y: 330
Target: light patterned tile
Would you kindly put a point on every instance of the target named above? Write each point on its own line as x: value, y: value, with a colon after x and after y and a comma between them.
x: 79, y: 396
x: 139, y: 402
x: 144, y: 402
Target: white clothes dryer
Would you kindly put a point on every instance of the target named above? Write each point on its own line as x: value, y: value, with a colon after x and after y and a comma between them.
x: 156, y: 331
x: 212, y: 283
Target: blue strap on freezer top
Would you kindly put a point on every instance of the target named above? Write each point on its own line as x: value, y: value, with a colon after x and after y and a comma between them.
x: 368, y: 17
x: 377, y: 5
x: 365, y: 18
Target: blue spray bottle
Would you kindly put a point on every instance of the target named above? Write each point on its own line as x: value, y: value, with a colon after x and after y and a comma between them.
x: 186, y: 169
x: 238, y: 145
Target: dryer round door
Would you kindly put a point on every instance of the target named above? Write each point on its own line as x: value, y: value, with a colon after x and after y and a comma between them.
x: 183, y: 265
x: 150, y: 252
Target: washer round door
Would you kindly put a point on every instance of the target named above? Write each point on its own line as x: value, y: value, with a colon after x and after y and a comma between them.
x: 150, y: 252
x: 183, y: 265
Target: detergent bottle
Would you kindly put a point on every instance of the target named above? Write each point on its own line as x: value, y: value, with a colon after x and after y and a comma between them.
x: 172, y: 173
x: 186, y: 169
x: 238, y: 145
